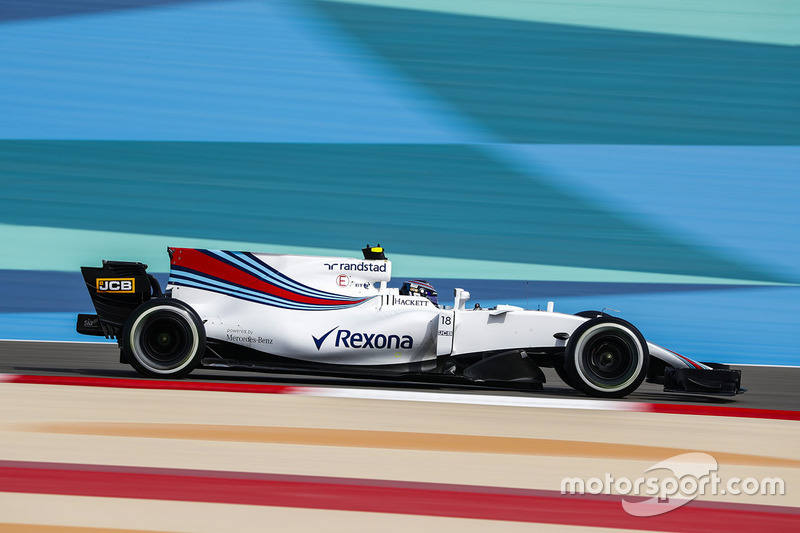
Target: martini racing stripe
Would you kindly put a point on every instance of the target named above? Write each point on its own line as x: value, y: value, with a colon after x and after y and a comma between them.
x: 247, y: 261
x: 208, y: 284
x: 243, y: 276
x: 689, y: 363
x: 206, y: 264
x: 265, y: 274
x: 190, y: 278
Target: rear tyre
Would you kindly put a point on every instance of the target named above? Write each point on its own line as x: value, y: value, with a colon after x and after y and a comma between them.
x: 163, y: 338
x: 606, y: 357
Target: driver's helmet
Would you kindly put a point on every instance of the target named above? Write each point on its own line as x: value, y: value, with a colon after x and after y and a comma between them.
x: 419, y: 287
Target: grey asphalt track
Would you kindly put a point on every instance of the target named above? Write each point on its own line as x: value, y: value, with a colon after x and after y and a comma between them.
x: 768, y: 387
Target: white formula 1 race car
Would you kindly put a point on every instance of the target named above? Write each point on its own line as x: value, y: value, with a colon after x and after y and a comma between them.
x: 337, y: 316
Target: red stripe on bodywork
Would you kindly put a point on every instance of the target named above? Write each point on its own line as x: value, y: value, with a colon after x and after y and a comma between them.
x: 425, y: 499
x: 686, y: 359
x: 211, y: 266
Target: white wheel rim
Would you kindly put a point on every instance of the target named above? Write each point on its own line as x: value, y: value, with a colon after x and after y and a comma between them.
x: 587, y: 336
x: 135, y: 339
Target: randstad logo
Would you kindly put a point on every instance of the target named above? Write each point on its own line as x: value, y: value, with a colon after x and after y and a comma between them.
x: 376, y: 341
x: 357, y: 267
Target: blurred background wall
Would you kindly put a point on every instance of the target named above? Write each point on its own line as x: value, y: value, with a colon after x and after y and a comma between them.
x: 635, y: 155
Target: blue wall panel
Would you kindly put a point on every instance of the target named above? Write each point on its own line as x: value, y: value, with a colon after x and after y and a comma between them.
x: 506, y: 141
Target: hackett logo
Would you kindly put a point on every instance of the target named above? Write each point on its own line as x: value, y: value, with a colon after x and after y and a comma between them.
x: 376, y: 341
x: 115, y: 285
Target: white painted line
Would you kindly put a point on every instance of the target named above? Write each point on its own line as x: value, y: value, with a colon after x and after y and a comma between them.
x: 469, y: 399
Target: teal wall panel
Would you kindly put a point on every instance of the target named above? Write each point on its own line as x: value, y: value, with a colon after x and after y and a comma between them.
x: 434, y: 200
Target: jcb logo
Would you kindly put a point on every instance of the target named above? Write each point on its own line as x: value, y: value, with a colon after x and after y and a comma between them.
x: 115, y: 285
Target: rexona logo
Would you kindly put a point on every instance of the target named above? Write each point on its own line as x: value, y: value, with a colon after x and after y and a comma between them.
x: 377, y: 341
x: 115, y: 285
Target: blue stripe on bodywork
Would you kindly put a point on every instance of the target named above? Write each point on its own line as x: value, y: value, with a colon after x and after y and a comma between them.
x: 190, y: 278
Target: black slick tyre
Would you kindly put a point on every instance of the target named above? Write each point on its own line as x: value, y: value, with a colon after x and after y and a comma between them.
x: 562, y: 374
x: 606, y: 357
x: 163, y: 338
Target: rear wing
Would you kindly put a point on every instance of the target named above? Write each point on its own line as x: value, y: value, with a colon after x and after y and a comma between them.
x: 116, y: 289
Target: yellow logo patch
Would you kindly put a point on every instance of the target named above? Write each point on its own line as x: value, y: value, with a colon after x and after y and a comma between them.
x: 125, y: 285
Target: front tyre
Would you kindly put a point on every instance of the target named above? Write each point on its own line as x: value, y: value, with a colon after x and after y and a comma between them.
x: 163, y: 338
x: 562, y: 374
x: 606, y: 357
